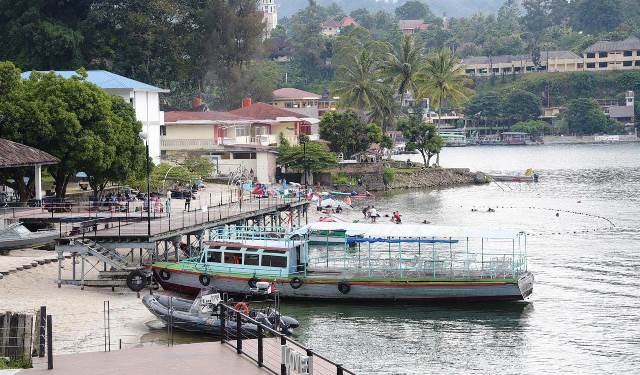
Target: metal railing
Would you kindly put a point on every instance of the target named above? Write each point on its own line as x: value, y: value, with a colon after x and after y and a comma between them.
x: 273, y: 350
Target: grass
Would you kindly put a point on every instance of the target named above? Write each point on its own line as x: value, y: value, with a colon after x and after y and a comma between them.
x: 6, y: 363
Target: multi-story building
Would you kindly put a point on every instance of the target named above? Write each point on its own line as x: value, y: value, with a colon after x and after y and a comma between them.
x: 601, y: 56
x: 552, y: 61
x: 270, y: 11
x: 244, y: 138
x: 144, y: 98
x: 303, y: 102
x: 607, y: 55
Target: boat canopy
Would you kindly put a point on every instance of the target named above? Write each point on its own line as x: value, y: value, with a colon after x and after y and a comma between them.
x: 411, y: 231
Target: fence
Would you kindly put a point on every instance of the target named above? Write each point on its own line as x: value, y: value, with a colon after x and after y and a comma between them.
x: 23, y: 336
x: 272, y: 350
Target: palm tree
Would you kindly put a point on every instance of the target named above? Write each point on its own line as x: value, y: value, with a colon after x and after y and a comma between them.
x: 358, y: 85
x: 442, y: 79
x: 384, y: 110
x: 402, y: 65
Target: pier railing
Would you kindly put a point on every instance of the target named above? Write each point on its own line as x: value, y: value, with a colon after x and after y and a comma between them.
x: 272, y: 350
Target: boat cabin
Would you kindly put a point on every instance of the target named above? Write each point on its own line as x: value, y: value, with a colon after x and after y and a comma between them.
x: 278, y: 258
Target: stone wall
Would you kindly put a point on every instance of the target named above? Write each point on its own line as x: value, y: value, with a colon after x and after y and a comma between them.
x: 435, y: 178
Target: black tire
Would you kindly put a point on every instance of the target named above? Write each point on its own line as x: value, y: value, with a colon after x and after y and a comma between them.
x: 136, y: 280
x: 205, y: 280
x: 296, y: 282
x: 344, y: 288
x: 253, y: 283
x: 164, y: 274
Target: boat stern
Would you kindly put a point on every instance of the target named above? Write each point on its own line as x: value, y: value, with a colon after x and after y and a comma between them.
x: 525, y: 284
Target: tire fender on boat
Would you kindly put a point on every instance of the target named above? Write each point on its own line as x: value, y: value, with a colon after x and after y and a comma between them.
x: 253, y: 283
x: 205, y: 280
x: 136, y: 280
x: 164, y: 274
x: 344, y: 288
x: 296, y: 282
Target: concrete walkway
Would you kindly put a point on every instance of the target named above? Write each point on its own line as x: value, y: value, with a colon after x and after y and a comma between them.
x: 200, y: 358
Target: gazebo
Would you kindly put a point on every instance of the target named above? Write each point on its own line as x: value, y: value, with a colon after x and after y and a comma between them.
x: 14, y: 155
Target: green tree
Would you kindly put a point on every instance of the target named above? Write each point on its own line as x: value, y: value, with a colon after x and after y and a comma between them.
x: 421, y: 136
x: 536, y: 128
x: 584, y: 116
x: 596, y: 16
x: 347, y: 133
x: 520, y: 105
x: 357, y: 84
x: 402, y: 65
x: 200, y: 167
x: 310, y: 157
x: 414, y: 10
x: 442, y: 79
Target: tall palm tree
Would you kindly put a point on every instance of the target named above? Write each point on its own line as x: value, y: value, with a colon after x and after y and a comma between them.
x: 442, y: 79
x: 384, y: 110
x: 358, y: 85
x: 402, y: 65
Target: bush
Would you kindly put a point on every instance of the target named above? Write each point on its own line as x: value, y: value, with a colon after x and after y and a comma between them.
x: 389, y: 175
x: 344, y: 179
x: 14, y: 363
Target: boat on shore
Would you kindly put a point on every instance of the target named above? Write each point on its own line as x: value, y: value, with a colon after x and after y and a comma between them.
x: 17, y: 236
x: 383, y: 262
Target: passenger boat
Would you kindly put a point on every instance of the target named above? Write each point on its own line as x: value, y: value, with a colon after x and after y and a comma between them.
x: 382, y: 262
x: 17, y: 236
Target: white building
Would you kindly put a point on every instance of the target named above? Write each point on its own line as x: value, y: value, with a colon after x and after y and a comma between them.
x: 270, y: 11
x: 144, y: 98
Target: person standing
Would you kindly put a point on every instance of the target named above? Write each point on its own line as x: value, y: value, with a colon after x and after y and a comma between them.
x: 167, y: 203
x: 187, y: 202
x: 373, y: 214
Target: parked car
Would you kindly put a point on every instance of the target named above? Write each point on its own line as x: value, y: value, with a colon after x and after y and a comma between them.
x: 181, y: 194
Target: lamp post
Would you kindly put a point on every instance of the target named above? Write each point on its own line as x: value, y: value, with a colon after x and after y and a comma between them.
x: 143, y: 136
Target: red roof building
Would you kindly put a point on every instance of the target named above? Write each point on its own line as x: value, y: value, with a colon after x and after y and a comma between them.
x: 409, y: 27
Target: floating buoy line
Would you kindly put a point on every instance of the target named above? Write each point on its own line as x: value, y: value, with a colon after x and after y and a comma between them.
x: 611, y: 226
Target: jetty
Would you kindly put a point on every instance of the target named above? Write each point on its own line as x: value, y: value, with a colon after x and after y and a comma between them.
x: 122, y: 238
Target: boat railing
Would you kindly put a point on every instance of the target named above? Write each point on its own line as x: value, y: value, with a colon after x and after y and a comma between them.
x: 238, y: 269
x: 270, y: 349
x: 442, y: 260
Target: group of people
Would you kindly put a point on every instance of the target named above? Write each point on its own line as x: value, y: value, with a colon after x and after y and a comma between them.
x: 372, y: 214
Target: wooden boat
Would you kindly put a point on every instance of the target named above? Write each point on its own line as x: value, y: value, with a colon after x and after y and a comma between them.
x: 383, y: 262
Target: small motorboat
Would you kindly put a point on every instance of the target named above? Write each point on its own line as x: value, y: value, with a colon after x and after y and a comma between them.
x: 202, y: 315
x: 17, y: 236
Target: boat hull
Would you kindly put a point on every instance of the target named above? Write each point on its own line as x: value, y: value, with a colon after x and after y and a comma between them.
x: 362, y: 290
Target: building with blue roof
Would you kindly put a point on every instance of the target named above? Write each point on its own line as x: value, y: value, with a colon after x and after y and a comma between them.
x: 144, y: 98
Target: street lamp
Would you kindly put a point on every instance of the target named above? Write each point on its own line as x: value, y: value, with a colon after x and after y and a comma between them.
x: 143, y: 136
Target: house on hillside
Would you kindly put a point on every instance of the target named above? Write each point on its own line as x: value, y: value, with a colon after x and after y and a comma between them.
x: 410, y: 27
x: 295, y: 100
x: 613, y: 55
x: 244, y: 139
x: 144, y: 98
x: 552, y: 61
x: 333, y: 27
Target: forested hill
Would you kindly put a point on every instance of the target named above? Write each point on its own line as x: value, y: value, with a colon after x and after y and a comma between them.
x: 452, y: 8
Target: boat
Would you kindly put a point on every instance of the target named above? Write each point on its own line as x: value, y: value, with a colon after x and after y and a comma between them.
x: 17, y: 236
x: 201, y: 315
x: 382, y: 262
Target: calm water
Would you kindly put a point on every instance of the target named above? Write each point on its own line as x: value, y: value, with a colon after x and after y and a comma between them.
x: 584, y: 315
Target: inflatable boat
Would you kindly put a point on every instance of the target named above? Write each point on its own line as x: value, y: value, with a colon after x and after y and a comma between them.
x: 194, y: 316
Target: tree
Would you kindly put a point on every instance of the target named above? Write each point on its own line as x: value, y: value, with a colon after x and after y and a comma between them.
x: 536, y: 128
x: 584, y: 116
x: 347, y: 133
x: 310, y: 157
x: 200, y: 167
x: 402, y: 65
x: 414, y: 10
x: 596, y: 16
x: 443, y: 80
x: 357, y: 84
x: 520, y: 105
x: 421, y: 136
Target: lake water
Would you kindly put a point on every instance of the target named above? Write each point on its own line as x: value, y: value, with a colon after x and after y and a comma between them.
x: 584, y: 315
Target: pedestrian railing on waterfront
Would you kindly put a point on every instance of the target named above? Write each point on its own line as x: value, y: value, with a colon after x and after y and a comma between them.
x: 273, y: 350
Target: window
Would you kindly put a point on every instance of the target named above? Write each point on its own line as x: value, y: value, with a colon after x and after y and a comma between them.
x: 580, y: 65
x: 603, y: 54
x: 591, y: 65
x: 261, y: 130
x: 242, y: 131
x: 603, y: 65
x: 496, y: 70
x: 628, y: 53
x: 214, y: 257
x: 591, y: 55
x: 627, y: 63
x: 232, y: 258
x: 252, y: 259
x: 637, y: 63
x: 163, y: 130
x: 274, y: 261
x: 244, y: 155
x: 470, y: 71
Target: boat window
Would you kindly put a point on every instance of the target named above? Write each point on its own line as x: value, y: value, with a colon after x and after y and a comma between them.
x: 252, y: 259
x: 232, y: 248
x: 251, y: 249
x: 274, y: 261
x: 232, y: 258
x: 214, y: 257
